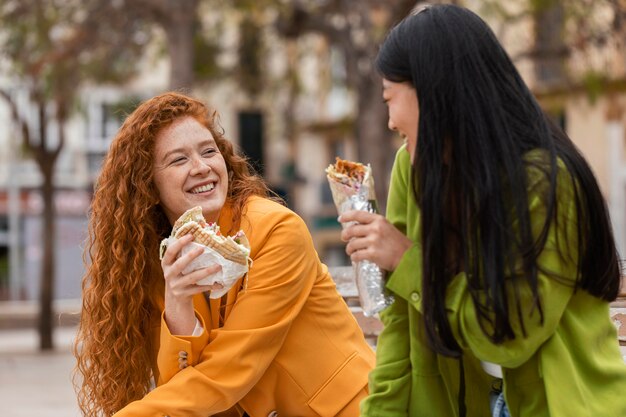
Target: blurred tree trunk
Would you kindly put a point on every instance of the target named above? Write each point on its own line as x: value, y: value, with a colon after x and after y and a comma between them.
x: 46, y: 160
x: 178, y: 19
x: 180, y: 47
x: 46, y: 295
x: 357, y: 32
x: 374, y: 139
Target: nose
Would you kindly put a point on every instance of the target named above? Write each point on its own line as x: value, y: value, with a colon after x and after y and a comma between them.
x: 199, y: 167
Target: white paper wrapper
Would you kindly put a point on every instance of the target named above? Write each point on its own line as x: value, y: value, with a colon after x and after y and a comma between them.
x: 369, y: 278
x: 230, y: 273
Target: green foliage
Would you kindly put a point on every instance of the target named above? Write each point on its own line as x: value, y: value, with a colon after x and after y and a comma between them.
x: 4, y: 271
x: 206, y: 50
x: 54, y: 45
x: 251, y: 6
x: 594, y: 84
x: 251, y: 51
x: 121, y: 109
x: 541, y: 5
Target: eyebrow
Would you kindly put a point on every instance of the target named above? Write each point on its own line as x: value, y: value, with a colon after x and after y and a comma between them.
x: 181, y: 150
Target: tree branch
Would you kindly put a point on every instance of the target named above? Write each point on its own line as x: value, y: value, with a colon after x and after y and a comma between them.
x: 19, y: 121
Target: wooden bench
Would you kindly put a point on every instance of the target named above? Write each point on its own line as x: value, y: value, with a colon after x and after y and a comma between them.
x: 371, y: 326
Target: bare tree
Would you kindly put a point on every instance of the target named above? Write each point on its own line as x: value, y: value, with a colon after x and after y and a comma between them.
x: 179, y: 20
x: 52, y: 48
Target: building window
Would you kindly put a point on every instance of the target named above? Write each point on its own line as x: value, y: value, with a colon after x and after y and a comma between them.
x: 251, y: 139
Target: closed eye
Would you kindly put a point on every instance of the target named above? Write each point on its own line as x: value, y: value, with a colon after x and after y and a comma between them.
x: 208, y: 152
x: 177, y: 160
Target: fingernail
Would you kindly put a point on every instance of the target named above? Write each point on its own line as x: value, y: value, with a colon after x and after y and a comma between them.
x: 339, y: 219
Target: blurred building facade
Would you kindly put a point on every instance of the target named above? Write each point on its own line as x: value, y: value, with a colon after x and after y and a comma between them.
x: 276, y: 131
x: 290, y: 128
x: 581, y: 83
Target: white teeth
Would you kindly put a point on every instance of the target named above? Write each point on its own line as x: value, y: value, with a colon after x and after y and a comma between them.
x: 203, y: 188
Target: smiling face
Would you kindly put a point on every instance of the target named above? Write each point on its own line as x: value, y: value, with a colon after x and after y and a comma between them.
x: 401, y: 100
x: 189, y: 170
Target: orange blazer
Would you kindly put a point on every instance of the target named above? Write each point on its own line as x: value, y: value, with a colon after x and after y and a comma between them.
x: 285, y: 344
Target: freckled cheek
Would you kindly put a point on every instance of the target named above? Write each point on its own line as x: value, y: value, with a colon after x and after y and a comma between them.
x: 158, y: 183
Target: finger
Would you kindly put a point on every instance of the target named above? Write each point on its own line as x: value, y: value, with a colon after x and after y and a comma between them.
x: 171, y: 253
x: 187, y: 285
x: 363, y: 255
x: 190, y: 290
x: 196, y: 289
x: 212, y: 269
x: 356, y: 245
x: 206, y: 288
x: 186, y: 259
x: 356, y: 231
x: 359, y: 216
x: 182, y: 262
x: 192, y: 278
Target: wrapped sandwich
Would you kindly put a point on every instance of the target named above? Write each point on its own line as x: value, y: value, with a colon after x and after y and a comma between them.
x: 352, y: 187
x: 231, y: 252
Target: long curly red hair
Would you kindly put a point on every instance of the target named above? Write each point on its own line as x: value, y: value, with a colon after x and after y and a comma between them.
x: 114, y: 346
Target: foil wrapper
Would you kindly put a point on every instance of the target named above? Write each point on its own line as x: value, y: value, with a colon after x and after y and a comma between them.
x: 369, y: 277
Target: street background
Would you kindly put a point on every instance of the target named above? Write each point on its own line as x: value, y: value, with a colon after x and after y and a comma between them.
x: 35, y: 383
x: 294, y: 86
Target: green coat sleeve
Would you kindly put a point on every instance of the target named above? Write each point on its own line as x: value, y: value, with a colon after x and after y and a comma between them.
x: 390, y: 381
x: 557, y: 272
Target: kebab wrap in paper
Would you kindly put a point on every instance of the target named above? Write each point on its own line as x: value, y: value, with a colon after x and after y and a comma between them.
x: 352, y: 187
x: 231, y: 252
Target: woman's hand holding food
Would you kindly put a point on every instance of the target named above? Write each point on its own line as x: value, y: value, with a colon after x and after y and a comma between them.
x: 374, y: 239
x: 180, y: 288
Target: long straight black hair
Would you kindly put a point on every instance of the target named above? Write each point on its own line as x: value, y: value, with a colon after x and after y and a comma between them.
x: 477, y: 121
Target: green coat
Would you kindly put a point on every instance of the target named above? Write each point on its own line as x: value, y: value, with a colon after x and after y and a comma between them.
x: 570, y: 366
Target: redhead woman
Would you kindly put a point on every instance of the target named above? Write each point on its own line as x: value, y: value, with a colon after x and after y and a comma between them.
x: 281, y: 341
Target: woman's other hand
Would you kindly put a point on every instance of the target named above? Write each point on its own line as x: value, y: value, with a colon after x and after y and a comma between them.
x: 180, y: 288
x: 371, y: 237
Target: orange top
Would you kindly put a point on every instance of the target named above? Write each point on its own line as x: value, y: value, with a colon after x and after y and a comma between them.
x: 286, y: 343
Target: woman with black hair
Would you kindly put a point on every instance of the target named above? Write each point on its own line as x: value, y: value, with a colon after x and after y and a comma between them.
x: 497, y: 240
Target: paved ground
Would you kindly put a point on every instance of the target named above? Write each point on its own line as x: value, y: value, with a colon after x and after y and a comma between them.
x: 35, y: 384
